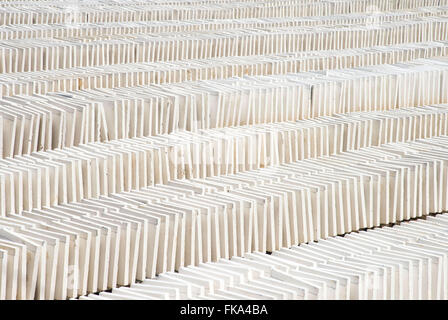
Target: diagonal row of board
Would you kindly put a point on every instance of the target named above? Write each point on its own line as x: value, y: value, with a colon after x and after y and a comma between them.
x: 160, y: 149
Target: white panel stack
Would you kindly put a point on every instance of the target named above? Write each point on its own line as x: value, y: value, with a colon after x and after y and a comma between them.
x: 407, y: 261
x: 198, y: 150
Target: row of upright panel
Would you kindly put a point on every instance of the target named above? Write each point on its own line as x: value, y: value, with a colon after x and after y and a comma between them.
x: 159, y: 150
x: 23, y: 55
x: 31, y: 123
x: 115, y: 240
x: 76, y: 12
x: 404, y: 262
x: 94, y: 169
x: 68, y: 30
x: 155, y: 73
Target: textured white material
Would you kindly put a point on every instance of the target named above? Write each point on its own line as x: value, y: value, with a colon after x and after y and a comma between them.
x: 199, y: 149
x: 407, y: 261
x: 187, y: 222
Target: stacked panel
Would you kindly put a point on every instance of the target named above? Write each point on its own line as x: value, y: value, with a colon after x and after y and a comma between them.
x: 214, y: 149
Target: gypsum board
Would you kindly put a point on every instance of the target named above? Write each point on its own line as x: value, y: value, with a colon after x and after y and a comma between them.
x: 190, y: 243
x: 72, y: 174
x: 36, y: 55
x: 138, y: 74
